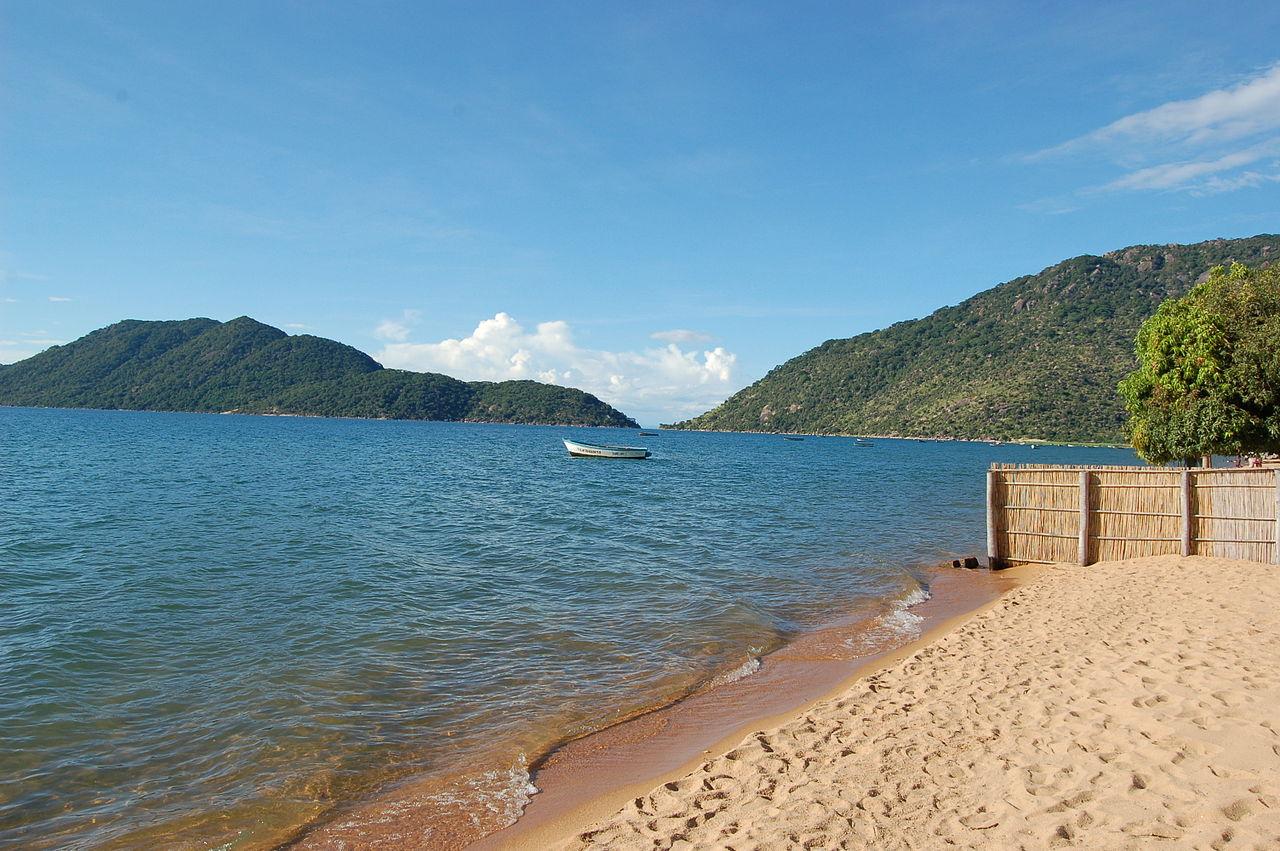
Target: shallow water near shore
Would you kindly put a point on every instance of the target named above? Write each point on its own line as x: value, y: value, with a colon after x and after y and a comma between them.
x: 217, y: 629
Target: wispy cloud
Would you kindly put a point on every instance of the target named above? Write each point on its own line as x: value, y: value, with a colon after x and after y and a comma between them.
x: 397, y: 329
x: 1224, y: 115
x: 16, y: 350
x: 664, y: 379
x: 1244, y: 180
x: 1201, y: 145
x: 1178, y: 175
x: 1051, y: 206
x: 58, y: 298
x: 296, y: 326
x: 681, y: 335
x: 705, y: 164
x: 17, y: 275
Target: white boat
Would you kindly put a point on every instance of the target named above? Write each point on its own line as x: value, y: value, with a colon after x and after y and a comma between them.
x: 596, y: 450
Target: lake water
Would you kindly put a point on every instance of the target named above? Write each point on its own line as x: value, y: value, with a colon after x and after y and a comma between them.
x: 213, y: 628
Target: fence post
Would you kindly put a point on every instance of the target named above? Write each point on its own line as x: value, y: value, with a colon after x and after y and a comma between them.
x: 1084, y: 516
x: 993, y: 542
x: 1186, y: 512
x: 1275, y: 554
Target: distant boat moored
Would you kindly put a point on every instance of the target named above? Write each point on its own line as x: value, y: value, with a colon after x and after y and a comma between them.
x: 596, y: 450
x: 648, y: 434
x: 792, y: 437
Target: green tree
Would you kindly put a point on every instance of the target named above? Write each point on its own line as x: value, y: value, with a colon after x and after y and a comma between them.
x: 1208, y: 376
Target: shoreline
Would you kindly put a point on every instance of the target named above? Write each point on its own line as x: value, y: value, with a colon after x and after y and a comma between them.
x: 1024, y: 441
x: 609, y: 764
x: 238, y: 413
x: 1079, y: 709
x: 1029, y: 441
x: 569, y: 814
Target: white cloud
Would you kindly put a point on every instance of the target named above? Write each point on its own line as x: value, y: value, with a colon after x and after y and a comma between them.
x: 1247, y: 179
x: 390, y: 329
x: 681, y: 335
x: 1222, y: 115
x: 8, y: 355
x: 1054, y: 206
x: 297, y: 326
x: 662, y: 381
x: 1199, y: 145
x: 1186, y: 174
x: 16, y: 275
x: 397, y: 329
x: 57, y: 298
x: 16, y: 350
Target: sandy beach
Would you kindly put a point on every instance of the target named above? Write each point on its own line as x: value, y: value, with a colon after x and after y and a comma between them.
x: 1130, y: 704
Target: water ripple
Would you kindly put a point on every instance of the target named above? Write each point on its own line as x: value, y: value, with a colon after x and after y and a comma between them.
x: 214, y: 627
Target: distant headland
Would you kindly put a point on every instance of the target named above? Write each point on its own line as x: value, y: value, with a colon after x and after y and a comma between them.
x: 1037, y: 357
x: 245, y: 366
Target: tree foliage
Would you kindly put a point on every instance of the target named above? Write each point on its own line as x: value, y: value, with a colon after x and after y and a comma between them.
x: 1208, y: 376
x: 248, y: 367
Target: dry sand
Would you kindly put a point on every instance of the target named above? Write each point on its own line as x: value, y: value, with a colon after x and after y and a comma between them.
x: 1123, y: 705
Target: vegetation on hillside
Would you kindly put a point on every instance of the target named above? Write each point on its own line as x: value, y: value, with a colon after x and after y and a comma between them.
x: 1208, y: 376
x: 248, y: 367
x: 1037, y: 357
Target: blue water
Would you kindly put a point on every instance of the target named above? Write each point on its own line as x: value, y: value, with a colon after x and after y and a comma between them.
x: 213, y: 628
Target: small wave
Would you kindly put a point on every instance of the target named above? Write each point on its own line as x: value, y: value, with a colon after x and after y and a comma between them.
x: 746, y: 669
x: 914, y: 597
x: 902, y: 623
x: 494, y: 799
x: 509, y: 792
x: 895, y: 627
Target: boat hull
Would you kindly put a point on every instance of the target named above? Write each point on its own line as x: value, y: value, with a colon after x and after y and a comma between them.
x: 595, y: 450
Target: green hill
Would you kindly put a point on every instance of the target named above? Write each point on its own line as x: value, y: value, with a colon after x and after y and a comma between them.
x: 1037, y: 357
x: 248, y: 367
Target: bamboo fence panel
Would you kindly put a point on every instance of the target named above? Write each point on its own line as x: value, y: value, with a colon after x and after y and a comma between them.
x: 1039, y: 516
x: 1136, y: 513
x: 1234, y: 515
x: 1054, y: 514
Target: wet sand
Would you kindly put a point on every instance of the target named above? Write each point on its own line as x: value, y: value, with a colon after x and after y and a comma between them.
x: 1121, y: 705
x: 627, y: 759
x: 615, y: 764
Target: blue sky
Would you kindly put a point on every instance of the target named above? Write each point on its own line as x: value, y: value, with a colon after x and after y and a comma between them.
x: 656, y: 202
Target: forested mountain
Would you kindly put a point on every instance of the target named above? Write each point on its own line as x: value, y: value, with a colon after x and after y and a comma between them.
x: 1036, y: 357
x: 248, y: 367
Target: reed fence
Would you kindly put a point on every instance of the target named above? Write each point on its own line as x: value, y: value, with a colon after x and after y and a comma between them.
x: 1081, y: 515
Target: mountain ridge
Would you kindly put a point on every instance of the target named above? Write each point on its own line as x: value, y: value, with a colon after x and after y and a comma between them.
x: 1036, y: 357
x: 246, y: 366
